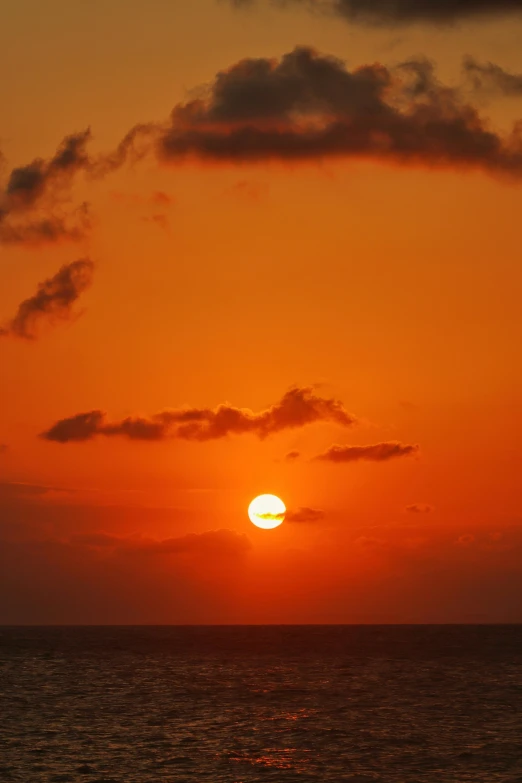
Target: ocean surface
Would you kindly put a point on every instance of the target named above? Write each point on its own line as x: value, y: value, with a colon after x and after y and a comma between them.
x: 241, y: 704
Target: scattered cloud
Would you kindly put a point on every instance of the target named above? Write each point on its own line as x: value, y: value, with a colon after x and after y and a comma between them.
x: 53, y: 301
x: 297, y: 408
x: 304, y: 514
x: 393, y: 13
x: 293, y: 456
x: 379, y: 452
x: 420, y: 508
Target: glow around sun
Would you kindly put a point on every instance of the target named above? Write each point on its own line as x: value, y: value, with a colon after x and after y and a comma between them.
x: 267, y: 511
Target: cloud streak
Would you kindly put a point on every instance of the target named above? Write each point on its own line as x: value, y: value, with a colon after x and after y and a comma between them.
x: 399, y: 12
x: 379, y: 452
x: 53, y: 301
x: 297, y: 408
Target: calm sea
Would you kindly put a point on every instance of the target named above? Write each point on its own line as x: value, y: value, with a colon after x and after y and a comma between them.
x: 241, y: 704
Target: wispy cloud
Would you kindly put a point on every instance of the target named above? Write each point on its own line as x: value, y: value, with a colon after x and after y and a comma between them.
x: 297, y: 408
x: 53, y: 301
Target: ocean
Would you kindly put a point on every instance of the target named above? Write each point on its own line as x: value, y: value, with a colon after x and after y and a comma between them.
x: 238, y: 704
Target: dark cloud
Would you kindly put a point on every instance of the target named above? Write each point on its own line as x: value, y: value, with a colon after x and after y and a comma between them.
x: 43, y: 185
x: 31, y: 183
x: 298, y: 407
x: 213, y: 542
x: 491, y: 78
x: 36, y: 191
x: 53, y: 301
x: 304, y: 514
x: 419, y: 508
x: 308, y: 106
x: 399, y: 12
x: 303, y: 107
x: 292, y: 456
x: 379, y: 452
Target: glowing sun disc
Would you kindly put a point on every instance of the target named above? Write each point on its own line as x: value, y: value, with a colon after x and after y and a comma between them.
x: 267, y: 511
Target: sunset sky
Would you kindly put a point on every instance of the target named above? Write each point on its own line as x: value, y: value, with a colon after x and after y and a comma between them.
x: 260, y: 247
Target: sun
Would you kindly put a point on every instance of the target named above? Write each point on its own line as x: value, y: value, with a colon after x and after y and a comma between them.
x: 267, y: 511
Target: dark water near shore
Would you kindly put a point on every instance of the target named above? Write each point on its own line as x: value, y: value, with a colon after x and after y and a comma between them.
x: 242, y: 704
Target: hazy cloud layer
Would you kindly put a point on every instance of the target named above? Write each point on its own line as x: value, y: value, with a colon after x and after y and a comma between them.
x: 213, y: 542
x: 398, y: 12
x: 379, y: 452
x: 53, y: 302
x: 297, y: 408
x: 308, y: 106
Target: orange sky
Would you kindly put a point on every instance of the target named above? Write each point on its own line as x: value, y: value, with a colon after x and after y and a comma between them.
x: 389, y: 286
